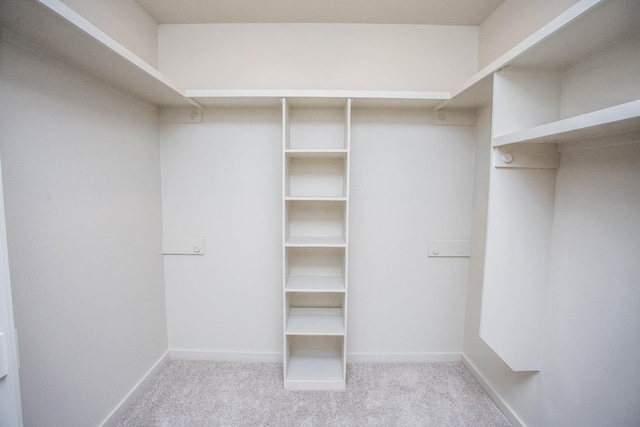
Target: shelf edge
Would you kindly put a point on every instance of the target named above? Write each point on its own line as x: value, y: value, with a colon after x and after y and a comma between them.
x: 553, y: 26
x: 73, y: 18
x: 304, y: 93
x: 592, y: 120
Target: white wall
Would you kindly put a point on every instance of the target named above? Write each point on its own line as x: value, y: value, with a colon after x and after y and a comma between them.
x: 82, y: 191
x: 318, y: 56
x: 512, y: 22
x: 593, y: 337
x: 10, y: 404
x: 591, y: 344
x: 583, y: 87
x: 410, y: 182
x: 125, y: 21
x: 221, y: 179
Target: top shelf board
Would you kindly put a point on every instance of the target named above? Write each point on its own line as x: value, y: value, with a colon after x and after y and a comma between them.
x: 52, y: 26
x: 596, y: 29
x: 327, y: 153
x: 608, y: 121
x: 586, y: 27
x: 316, y: 98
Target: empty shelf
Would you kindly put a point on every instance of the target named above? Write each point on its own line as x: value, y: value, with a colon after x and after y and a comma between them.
x: 315, y: 242
x: 315, y: 284
x: 315, y: 321
x: 309, y: 371
x: 608, y: 121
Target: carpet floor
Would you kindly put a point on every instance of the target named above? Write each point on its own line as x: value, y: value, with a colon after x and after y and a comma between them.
x: 197, y: 393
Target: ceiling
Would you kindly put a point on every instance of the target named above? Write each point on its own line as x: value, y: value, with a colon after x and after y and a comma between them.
x: 425, y: 12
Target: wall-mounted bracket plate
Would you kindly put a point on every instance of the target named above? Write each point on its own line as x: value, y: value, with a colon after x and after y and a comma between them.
x: 449, y: 248
x: 454, y: 118
x: 531, y: 156
x: 183, y: 245
x: 180, y: 115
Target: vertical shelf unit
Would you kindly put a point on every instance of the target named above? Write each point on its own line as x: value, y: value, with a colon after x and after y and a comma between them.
x: 542, y: 105
x: 315, y: 235
x: 572, y: 84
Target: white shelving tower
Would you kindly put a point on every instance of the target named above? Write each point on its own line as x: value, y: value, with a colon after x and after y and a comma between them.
x: 315, y: 228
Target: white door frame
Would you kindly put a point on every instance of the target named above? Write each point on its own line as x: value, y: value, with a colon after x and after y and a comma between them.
x: 10, y: 403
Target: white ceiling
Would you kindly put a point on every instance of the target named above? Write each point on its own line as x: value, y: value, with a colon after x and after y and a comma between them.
x: 432, y: 12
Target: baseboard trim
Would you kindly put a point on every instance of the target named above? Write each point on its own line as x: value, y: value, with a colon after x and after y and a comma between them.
x: 224, y: 356
x: 234, y: 356
x: 403, y: 357
x: 128, y: 400
x: 493, y: 394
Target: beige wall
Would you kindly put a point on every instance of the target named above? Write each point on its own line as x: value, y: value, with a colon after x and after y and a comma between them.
x: 81, y: 177
x: 318, y: 56
x: 125, y: 21
x: 512, y: 22
x: 410, y: 182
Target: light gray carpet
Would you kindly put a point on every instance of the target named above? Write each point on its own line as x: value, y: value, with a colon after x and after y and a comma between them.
x: 195, y: 393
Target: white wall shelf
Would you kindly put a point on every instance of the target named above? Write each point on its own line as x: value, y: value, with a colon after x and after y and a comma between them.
x: 315, y: 98
x: 585, y: 27
x: 316, y: 153
x: 309, y: 370
x: 608, y: 121
x: 316, y: 198
x: 315, y: 242
x: 55, y: 28
x: 315, y: 284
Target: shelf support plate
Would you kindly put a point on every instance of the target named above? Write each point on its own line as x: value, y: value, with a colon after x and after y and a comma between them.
x: 527, y: 156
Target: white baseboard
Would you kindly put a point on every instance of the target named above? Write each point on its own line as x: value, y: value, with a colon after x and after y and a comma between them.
x: 229, y: 356
x: 224, y: 356
x: 403, y: 357
x: 500, y: 403
x: 128, y: 400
